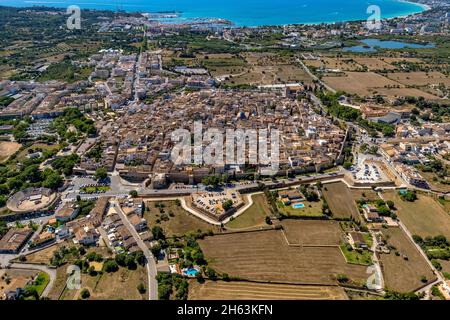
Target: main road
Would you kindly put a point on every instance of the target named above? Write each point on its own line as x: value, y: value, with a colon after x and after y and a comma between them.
x: 151, y: 264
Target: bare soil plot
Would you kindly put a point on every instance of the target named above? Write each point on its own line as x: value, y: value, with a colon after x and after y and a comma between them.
x: 400, y: 274
x: 419, y: 78
x: 399, y: 59
x: 436, y: 185
x: 112, y: 286
x: 42, y: 256
x: 445, y: 265
x: 254, y: 216
x: 360, y: 83
x: 221, y: 290
x: 174, y: 220
x: 18, y: 278
x: 7, y: 148
x: 339, y: 198
x: 424, y: 217
x: 312, y: 232
x: 374, y: 64
x: 368, y: 194
x: 265, y: 256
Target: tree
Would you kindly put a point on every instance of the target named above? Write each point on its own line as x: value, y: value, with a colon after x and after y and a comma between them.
x: 156, y: 249
x: 268, y: 221
x: 211, y: 274
x: 101, y: 174
x: 133, y: 193
x: 140, y: 258
x: 158, y: 233
x: 110, y: 266
x: 212, y: 181
x: 227, y: 205
x: 121, y: 259
x: 85, y: 294
x: 130, y: 263
x: 53, y: 181
x: 390, y: 204
x: 141, y: 288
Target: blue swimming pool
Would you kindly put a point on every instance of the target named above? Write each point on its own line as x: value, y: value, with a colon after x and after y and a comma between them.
x: 191, y: 272
x: 298, y: 205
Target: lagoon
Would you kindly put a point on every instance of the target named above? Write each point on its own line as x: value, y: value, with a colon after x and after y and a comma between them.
x: 372, y: 45
x: 246, y: 12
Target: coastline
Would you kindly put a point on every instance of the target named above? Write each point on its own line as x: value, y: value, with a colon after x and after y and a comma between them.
x: 191, y: 15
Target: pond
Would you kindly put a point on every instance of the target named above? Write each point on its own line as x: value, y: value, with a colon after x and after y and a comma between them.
x: 372, y: 45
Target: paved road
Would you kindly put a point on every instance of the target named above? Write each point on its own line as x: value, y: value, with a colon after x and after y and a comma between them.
x: 151, y: 264
x: 314, y: 77
x: 50, y: 271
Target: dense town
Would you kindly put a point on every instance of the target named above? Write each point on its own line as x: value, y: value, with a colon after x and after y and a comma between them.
x: 89, y: 189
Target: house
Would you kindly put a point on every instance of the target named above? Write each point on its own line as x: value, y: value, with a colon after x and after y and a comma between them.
x: 13, y: 241
x: 86, y: 236
x: 356, y: 240
x: 63, y: 232
x: 371, y: 213
x: 43, y: 238
x: 289, y: 196
x: 138, y: 223
x: 68, y: 212
x: 128, y: 243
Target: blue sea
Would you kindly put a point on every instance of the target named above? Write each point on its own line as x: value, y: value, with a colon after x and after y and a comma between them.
x: 246, y: 12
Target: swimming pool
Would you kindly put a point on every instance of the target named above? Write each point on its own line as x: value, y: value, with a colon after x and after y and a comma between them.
x: 191, y: 272
x: 298, y: 205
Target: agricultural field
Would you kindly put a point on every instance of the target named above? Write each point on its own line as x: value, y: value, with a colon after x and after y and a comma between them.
x: 254, y: 216
x: 337, y: 195
x: 268, y: 68
x: 419, y: 78
x: 360, y: 83
x: 373, y: 64
x: 7, y: 148
x: 405, y: 92
x: 221, y: 290
x: 423, y: 217
x: 173, y: 219
x: 312, y: 232
x: 343, y: 64
x: 121, y: 284
x: 404, y: 272
x: 266, y: 256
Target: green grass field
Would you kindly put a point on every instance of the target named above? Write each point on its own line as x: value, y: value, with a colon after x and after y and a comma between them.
x: 311, y: 209
x: 253, y: 216
x: 363, y: 257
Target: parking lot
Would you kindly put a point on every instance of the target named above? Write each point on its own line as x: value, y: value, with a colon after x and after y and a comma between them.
x: 367, y: 170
